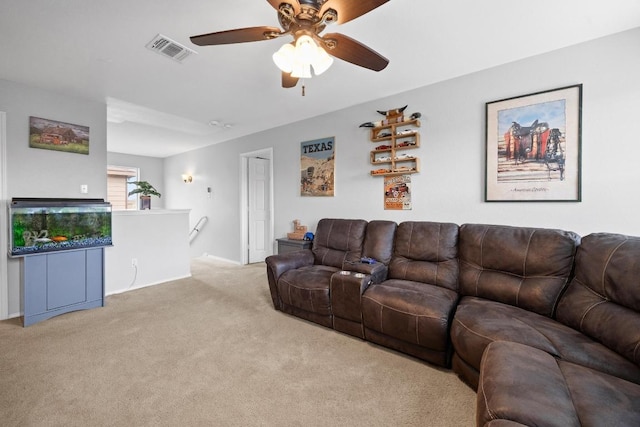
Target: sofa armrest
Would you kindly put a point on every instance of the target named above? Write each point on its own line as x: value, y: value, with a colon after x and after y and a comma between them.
x: 346, y: 289
x: 281, y: 263
x: 377, y: 271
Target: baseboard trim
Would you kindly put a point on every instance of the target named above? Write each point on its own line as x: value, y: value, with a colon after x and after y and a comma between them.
x: 217, y: 258
x: 146, y: 285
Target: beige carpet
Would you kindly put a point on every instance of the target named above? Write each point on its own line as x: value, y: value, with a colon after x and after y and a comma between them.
x: 212, y: 351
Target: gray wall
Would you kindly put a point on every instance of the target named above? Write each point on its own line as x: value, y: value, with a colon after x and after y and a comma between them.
x: 151, y: 170
x: 45, y: 173
x: 450, y: 186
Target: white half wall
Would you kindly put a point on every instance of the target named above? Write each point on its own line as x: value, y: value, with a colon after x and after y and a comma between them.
x: 158, y: 241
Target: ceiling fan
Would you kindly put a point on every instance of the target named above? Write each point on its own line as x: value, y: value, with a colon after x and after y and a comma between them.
x: 305, y: 20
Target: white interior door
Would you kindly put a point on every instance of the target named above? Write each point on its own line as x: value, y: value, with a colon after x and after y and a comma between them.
x: 259, y: 209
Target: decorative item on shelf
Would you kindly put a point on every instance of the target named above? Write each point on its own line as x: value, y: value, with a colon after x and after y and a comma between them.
x: 299, y: 231
x: 187, y: 178
x: 391, y: 116
x: 398, y: 133
x: 145, y: 190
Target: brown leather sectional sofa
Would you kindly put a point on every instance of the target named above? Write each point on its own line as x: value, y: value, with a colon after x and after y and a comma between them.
x: 543, y: 323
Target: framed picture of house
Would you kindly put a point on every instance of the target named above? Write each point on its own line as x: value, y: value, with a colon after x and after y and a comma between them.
x: 59, y: 136
x: 317, y: 167
x: 533, y: 147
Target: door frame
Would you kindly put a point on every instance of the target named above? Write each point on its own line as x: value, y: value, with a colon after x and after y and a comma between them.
x: 266, y: 153
x: 4, y: 273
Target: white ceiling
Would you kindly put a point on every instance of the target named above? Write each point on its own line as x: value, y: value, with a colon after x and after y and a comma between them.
x: 95, y: 49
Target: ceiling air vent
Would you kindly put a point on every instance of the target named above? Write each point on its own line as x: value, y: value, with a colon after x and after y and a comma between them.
x: 169, y: 48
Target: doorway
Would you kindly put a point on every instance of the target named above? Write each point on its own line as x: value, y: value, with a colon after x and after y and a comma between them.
x: 257, y: 205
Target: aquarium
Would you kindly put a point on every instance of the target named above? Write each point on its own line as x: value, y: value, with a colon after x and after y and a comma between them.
x: 47, y: 225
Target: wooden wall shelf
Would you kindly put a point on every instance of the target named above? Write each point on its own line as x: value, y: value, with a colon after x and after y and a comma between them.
x: 390, y: 155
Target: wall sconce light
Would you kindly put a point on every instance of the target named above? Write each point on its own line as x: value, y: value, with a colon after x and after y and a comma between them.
x: 187, y: 178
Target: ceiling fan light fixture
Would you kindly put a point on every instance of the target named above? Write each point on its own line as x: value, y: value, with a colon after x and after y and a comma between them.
x: 322, y: 62
x: 284, y: 57
x: 301, y: 70
x: 299, y: 59
x: 306, y: 49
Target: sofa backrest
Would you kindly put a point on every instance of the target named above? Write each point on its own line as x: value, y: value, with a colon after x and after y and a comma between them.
x: 426, y: 252
x: 603, y: 299
x: 378, y: 240
x: 524, y: 267
x: 338, y: 242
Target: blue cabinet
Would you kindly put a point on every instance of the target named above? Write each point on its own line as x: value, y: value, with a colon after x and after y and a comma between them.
x: 57, y: 283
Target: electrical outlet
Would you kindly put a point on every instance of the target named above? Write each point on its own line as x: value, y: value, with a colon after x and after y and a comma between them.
x: 84, y: 189
x: 134, y: 262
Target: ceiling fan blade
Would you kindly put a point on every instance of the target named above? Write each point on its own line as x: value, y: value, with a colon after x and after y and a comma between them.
x: 288, y: 81
x: 350, y: 9
x: 354, y: 52
x: 294, y: 3
x: 275, y: 3
x: 240, y: 35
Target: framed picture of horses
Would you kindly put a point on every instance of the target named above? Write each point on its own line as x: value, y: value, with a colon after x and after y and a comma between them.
x: 533, y: 151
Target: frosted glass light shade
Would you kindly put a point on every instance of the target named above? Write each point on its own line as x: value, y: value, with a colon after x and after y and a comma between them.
x: 306, y: 49
x: 322, y: 62
x: 284, y: 57
x: 301, y: 70
x: 299, y: 59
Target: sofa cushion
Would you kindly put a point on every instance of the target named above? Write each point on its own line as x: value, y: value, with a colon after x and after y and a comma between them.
x: 307, y: 288
x: 378, y: 244
x: 378, y: 240
x: 528, y: 386
x: 426, y: 252
x: 413, y: 312
x: 523, y: 267
x: 478, y: 322
x: 603, y: 299
x: 338, y: 242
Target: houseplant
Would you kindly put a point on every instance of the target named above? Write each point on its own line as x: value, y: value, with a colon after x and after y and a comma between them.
x: 145, y: 190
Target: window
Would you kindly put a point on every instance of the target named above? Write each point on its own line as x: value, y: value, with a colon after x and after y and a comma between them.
x: 119, y: 182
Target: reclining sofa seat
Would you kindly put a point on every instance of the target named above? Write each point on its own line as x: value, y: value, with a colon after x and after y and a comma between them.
x: 524, y: 386
x: 511, y: 279
x: 532, y: 387
x: 299, y: 281
x: 411, y: 310
x: 603, y: 300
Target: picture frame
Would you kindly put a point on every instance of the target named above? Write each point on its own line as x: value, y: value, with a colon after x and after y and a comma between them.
x: 397, y: 193
x: 317, y: 167
x: 534, y: 147
x: 59, y: 136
